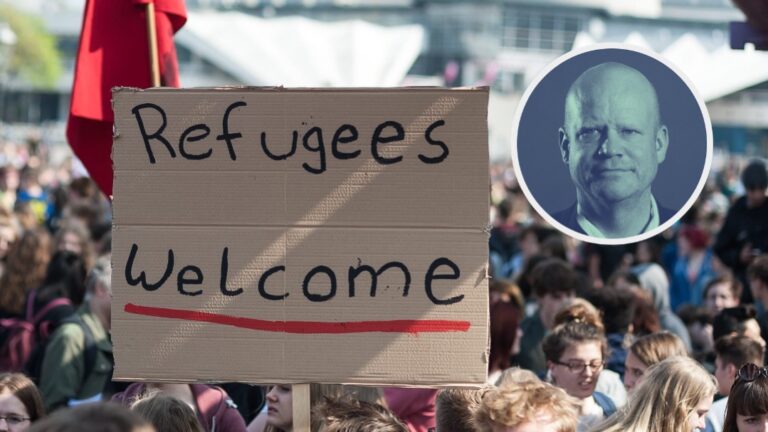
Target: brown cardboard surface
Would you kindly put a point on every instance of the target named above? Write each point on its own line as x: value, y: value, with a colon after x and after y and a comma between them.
x: 278, y: 222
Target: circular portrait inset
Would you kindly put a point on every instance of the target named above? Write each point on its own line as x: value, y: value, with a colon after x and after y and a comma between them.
x: 611, y: 144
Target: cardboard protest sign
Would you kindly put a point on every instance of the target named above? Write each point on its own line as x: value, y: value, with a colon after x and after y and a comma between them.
x: 273, y: 235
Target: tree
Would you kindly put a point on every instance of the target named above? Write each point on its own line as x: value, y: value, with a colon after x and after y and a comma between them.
x: 35, y: 57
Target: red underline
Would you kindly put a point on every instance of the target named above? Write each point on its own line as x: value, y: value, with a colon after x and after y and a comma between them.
x: 304, y: 327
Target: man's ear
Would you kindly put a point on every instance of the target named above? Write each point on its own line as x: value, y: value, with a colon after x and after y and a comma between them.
x: 662, y: 143
x: 731, y: 370
x: 565, y: 145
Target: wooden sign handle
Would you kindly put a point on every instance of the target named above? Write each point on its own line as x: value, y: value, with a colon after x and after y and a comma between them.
x: 301, y: 408
x: 154, y: 61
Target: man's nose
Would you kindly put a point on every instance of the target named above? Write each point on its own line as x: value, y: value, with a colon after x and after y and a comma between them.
x: 609, y: 145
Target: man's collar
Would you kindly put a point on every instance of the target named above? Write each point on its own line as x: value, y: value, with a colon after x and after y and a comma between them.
x: 591, y: 230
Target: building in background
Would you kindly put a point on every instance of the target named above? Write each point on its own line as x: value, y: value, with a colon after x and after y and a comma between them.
x: 501, y: 43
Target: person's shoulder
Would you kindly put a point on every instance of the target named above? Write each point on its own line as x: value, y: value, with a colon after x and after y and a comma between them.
x: 665, y: 214
x: 568, y: 218
x: 68, y: 330
x: 740, y: 203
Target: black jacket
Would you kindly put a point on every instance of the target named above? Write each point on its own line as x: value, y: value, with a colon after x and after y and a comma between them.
x: 568, y: 217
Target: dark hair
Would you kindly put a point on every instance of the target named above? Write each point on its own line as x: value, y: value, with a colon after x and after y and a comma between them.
x: 505, y: 316
x: 524, y: 280
x: 654, y: 249
x: 578, y: 326
x: 690, y: 314
x: 733, y: 285
x: 83, y: 234
x: 553, y: 246
x: 746, y: 398
x: 738, y: 350
x: 554, y: 277
x: 167, y: 413
x: 646, y: 316
x: 455, y: 408
x: 504, y: 209
x: 627, y: 275
x: 754, y: 176
x: 759, y: 269
x: 65, y: 277
x: 616, y: 305
x: 84, y: 187
x: 731, y: 320
x: 26, y: 391
x: 97, y: 417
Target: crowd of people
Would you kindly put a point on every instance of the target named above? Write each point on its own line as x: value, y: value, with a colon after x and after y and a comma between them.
x: 663, y: 335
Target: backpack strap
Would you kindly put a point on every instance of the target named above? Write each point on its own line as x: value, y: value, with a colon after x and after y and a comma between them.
x: 605, y: 402
x: 91, y: 349
x: 31, y: 305
x: 53, y: 304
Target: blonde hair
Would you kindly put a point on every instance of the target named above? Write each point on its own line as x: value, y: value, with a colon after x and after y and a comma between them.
x: 515, y: 375
x: 524, y: 402
x: 663, y: 401
x: 653, y: 348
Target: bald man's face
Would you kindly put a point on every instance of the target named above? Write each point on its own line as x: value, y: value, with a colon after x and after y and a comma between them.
x: 612, y: 140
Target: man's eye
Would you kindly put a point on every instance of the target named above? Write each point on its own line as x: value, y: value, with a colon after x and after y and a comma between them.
x: 629, y: 132
x: 588, y: 134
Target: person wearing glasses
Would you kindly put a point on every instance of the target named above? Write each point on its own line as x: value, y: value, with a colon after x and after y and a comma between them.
x: 675, y: 396
x: 20, y: 403
x: 748, y: 401
x: 575, y: 352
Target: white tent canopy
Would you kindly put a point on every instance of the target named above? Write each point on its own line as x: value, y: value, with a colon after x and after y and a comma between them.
x: 300, y: 52
x: 714, y: 73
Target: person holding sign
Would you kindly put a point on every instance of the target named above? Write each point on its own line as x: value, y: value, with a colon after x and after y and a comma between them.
x: 612, y: 141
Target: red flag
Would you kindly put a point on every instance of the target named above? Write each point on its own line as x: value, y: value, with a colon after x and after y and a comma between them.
x: 114, y: 51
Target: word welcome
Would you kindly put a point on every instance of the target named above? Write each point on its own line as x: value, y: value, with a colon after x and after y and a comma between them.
x: 190, y: 278
x: 313, y: 140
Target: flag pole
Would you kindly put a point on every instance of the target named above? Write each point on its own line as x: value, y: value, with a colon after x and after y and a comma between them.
x: 152, y: 36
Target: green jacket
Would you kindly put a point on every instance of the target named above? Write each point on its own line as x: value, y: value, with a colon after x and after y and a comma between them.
x: 62, y: 379
x: 531, y: 354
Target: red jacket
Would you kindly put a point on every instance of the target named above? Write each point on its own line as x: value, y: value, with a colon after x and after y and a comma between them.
x: 414, y: 406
